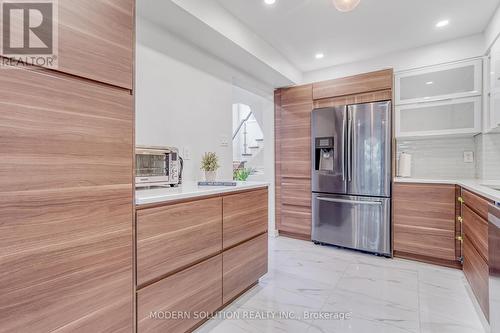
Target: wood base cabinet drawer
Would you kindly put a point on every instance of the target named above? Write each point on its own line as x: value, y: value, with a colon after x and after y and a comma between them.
x: 476, y: 203
x: 476, y: 230
x: 245, y: 216
x: 424, y: 221
x: 244, y: 265
x: 191, y: 292
x: 477, y: 273
x: 172, y: 237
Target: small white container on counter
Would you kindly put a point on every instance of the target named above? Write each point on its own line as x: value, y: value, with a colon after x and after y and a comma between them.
x: 404, y: 165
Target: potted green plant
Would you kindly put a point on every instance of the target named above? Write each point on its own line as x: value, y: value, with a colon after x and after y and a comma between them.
x: 210, y: 164
x: 242, y: 174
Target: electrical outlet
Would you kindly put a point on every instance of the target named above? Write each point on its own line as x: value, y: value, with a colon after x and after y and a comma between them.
x: 186, y: 153
x: 468, y: 157
x: 224, y: 141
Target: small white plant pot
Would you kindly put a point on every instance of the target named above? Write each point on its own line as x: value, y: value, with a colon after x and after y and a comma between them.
x: 210, y: 176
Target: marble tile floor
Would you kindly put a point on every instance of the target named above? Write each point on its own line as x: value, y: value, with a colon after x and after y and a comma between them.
x: 318, y: 289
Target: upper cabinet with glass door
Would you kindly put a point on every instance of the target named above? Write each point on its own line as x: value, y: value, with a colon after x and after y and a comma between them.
x: 449, y: 81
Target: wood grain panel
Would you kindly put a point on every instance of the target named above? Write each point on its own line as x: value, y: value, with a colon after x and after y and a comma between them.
x: 296, y: 192
x: 296, y: 95
x: 60, y: 132
x: 362, y: 83
x: 424, y: 220
x: 277, y: 153
x: 243, y: 265
x: 477, y: 273
x: 194, y: 290
x: 245, y: 216
x: 296, y: 220
x: 66, y: 203
x: 175, y: 236
x: 476, y: 230
x: 96, y: 40
x: 425, y: 242
x: 376, y: 96
x: 477, y: 203
x: 295, y: 140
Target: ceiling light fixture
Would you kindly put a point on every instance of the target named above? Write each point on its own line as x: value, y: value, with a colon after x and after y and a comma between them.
x: 319, y: 56
x: 345, y: 5
x: 269, y: 2
x: 442, y: 23
x: 429, y: 82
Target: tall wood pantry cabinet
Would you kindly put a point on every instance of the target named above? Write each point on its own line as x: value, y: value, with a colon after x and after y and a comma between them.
x: 66, y: 178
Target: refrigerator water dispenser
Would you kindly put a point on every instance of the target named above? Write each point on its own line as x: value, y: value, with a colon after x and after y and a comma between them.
x: 324, y: 154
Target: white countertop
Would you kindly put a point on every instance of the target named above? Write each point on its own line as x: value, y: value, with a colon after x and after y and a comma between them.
x: 190, y: 190
x: 474, y: 185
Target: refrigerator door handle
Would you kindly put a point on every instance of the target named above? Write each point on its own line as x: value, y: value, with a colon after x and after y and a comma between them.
x: 378, y: 203
x: 349, y: 147
x: 343, y: 144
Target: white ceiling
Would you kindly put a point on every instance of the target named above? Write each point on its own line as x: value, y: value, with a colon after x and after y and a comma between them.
x: 299, y: 29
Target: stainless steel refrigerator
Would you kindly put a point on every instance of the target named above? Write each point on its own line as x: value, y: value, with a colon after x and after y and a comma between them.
x: 351, y: 176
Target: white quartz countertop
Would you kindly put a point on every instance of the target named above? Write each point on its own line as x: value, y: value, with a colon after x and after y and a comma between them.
x: 190, y: 190
x: 478, y: 186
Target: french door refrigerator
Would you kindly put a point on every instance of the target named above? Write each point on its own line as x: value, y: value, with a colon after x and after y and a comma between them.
x: 351, y: 176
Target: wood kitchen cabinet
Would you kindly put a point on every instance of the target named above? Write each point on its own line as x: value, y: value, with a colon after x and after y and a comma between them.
x: 182, y: 266
x: 191, y: 292
x: 352, y: 85
x: 242, y: 266
x: 245, y: 216
x: 424, y: 222
x: 66, y: 204
x: 293, y: 141
x: 475, y: 245
x: 293, y: 108
x: 96, y: 40
x: 175, y: 236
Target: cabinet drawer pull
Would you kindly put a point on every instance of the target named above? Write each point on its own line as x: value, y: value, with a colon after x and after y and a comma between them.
x: 460, y: 238
x: 460, y: 219
x: 460, y: 199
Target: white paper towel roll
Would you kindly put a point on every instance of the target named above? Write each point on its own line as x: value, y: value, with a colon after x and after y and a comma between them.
x: 404, y: 165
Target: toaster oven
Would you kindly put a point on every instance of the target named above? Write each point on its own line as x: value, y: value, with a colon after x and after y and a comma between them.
x: 156, y: 166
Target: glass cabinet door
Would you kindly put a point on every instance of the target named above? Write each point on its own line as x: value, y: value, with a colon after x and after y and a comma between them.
x: 439, y: 82
x: 451, y: 117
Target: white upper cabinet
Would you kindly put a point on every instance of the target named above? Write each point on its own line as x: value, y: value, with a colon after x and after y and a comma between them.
x: 456, y: 117
x: 442, y: 100
x: 462, y: 79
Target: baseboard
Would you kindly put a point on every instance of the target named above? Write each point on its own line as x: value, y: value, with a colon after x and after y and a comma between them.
x: 294, y: 235
x: 428, y: 260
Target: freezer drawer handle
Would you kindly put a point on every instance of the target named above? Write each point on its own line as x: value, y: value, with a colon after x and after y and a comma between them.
x: 378, y: 203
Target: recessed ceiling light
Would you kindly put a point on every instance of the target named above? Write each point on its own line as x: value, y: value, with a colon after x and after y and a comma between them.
x: 269, y: 2
x: 319, y: 56
x: 442, y: 23
x: 429, y: 82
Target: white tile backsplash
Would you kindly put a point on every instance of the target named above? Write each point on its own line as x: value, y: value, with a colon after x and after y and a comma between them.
x: 440, y: 158
x: 488, y: 156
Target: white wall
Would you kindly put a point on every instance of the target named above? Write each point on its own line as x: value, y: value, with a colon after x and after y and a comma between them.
x: 493, y: 29
x: 180, y: 105
x: 458, y: 49
x: 263, y: 108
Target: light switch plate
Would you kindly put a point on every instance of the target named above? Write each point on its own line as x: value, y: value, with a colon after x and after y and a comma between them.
x: 186, y: 154
x: 468, y: 157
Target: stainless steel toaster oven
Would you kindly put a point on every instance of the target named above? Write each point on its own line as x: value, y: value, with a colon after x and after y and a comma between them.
x: 156, y: 166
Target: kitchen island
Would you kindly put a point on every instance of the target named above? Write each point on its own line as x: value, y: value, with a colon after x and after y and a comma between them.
x: 197, y: 250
